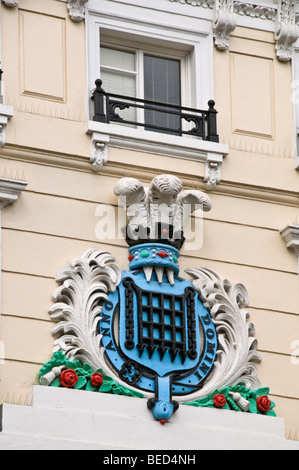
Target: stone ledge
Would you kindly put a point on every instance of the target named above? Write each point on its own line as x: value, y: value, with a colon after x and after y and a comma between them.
x: 73, y: 419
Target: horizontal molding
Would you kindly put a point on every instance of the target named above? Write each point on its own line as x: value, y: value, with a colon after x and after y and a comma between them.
x: 146, y: 174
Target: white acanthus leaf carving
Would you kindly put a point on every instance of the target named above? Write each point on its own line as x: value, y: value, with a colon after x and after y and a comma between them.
x: 85, y: 285
x: 224, y: 22
x: 76, y: 9
x: 237, y: 348
x: 286, y: 30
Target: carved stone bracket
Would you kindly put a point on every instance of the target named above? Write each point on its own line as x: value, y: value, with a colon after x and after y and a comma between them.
x: 11, y: 3
x: 99, y: 151
x: 76, y: 9
x: 212, y: 171
x: 224, y: 22
x: 290, y: 234
x: 10, y: 189
x: 286, y: 30
x: 6, y: 112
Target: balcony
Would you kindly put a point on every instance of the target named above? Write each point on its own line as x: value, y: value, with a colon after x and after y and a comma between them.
x: 154, y: 116
x: 155, y: 128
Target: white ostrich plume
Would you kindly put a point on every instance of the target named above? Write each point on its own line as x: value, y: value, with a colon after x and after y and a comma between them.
x: 163, y: 203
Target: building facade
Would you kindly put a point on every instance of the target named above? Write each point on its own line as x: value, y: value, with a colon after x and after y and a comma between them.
x: 229, y: 72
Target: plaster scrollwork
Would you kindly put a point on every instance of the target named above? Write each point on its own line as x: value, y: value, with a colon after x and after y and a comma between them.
x: 84, y: 286
x: 76, y: 9
x: 286, y: 30
x: 197, y: 3
x: 224, y: 22
x: 237, y: 349
x: 254, y: 11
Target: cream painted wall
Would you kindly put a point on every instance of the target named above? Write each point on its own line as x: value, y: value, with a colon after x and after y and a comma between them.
x: 55, y: 219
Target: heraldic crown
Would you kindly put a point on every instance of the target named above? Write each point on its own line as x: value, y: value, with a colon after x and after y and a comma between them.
x: 147, y: 328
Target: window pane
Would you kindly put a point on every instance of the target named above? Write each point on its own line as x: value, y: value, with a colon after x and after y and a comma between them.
x: 120, y: 81
x: 120, y: 84
x: 162, y: 84
x: 119, y: 59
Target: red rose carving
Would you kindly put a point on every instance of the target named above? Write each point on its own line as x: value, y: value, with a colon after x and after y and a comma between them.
x: 219, y: 401
x: 263, y: 404
x: 68, y: 378
x: 96, y: 379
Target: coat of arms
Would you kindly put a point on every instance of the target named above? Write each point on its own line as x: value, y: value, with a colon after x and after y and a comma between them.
x: 148, y: 329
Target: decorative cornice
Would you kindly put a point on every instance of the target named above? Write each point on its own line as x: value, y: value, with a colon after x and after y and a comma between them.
x: 225, y: 20
x: 284, y: 15
x: 255, y: 11
x: 197, y: 3
x: 241, y: 8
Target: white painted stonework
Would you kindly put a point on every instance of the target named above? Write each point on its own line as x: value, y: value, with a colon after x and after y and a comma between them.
x: 65, y: 419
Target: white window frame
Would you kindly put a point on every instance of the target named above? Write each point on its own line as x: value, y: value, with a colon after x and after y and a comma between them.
x: 189, y: 37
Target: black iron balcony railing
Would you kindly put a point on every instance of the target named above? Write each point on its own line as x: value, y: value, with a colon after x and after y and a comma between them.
x: 158, y: 117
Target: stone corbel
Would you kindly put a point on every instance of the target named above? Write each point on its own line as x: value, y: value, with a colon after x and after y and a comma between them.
x: 10, y: 189
x: 99, y: 150
x: 290, y: 234
x: 11, y: 3
x: 6, y: 112
x: 224, y: 22
x: 212, y: 171
x: 76, y: 9
x: 286, y: 30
